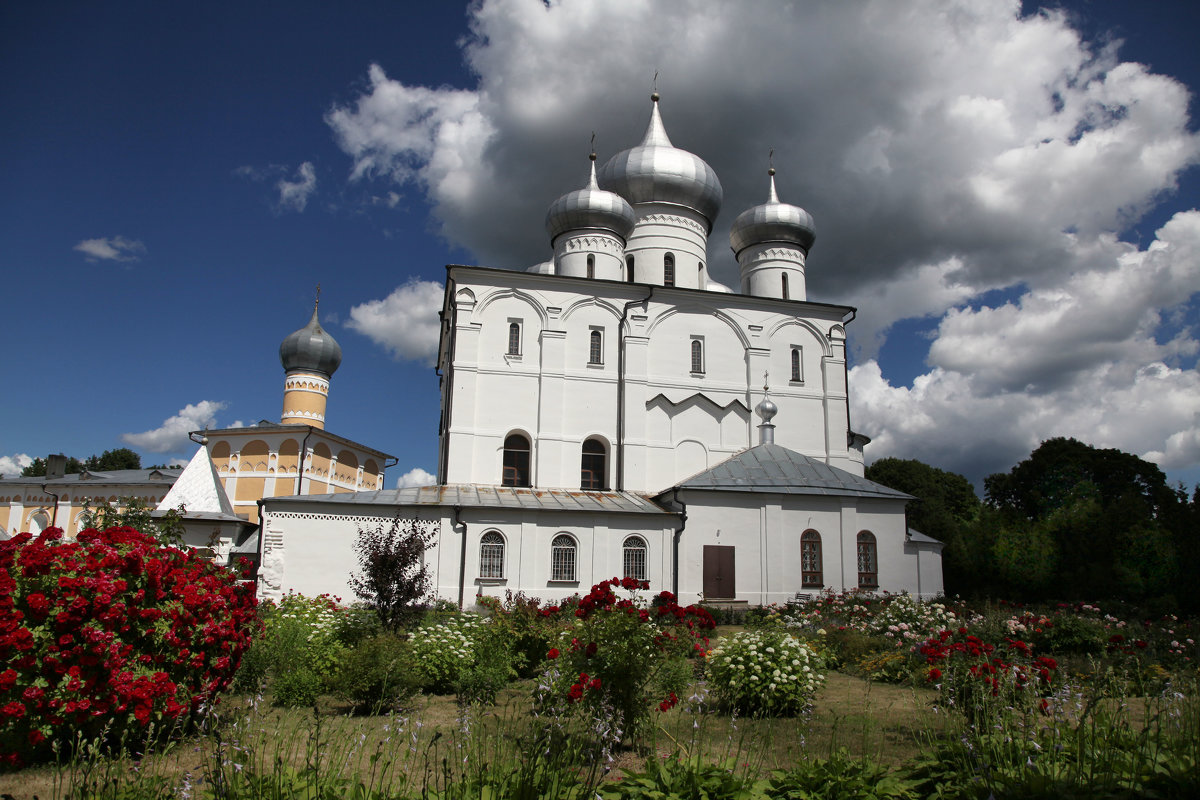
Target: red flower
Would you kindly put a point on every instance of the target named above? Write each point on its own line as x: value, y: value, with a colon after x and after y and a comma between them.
x: 551, y: 655
x: 934, y: 674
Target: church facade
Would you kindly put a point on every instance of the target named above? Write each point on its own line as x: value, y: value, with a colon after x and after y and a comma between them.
x: 616, y: 411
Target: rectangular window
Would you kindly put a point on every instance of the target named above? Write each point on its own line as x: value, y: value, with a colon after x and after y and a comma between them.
x: 797, y: 357
x: 697, y: 355
x: 596, y: 346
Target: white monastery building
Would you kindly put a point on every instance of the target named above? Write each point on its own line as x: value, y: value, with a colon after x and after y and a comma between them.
x: 615, y: 411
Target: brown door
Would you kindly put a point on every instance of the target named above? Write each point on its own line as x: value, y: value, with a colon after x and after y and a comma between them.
x: 718, y: 572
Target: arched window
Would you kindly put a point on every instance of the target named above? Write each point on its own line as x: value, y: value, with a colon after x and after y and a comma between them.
x: 591, y: 266
x: 562, y: 558
x: 633, y: 557
x: 629, y: 268
x: 797, y: 365
x: 697, y: 356
x: 868, y: 561
x: 785, y: 286
x: 593, y: 469
x: 491, y: 555
x: 514, y: 338
x: 516, y: 461
x: 595, y: 348
x: 810, y: 560
x: 669, y: 269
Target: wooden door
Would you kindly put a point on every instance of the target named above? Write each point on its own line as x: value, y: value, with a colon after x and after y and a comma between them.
x: 718, y: 572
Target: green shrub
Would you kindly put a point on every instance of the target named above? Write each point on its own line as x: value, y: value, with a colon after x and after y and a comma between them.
x: 442, y: 650
x: 296, y: 688
x: 838, y: 777
x: 849, y: 646
x: 1070, y: 633
x: 891, y: 667
x: 764, y: 673
x: 377, y: 673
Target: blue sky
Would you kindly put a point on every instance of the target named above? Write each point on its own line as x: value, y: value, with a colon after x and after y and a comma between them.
x: 1003, y: 194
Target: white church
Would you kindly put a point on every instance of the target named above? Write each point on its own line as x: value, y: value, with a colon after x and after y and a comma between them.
x: 617, y: 412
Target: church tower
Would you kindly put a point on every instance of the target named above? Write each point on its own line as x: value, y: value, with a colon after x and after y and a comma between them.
x: 771, y: 243
x: 310, y: 356
x: 588, y: 230
x: 676, y: 197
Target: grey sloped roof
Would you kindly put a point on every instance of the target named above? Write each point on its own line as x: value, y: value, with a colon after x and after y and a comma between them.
x: 778, y: 470
x: 111, y: 477
x: 473, y: 495
x: 915, y: 535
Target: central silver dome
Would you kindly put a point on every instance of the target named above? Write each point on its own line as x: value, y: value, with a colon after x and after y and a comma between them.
x: 773, y: 221
x: 658, y: 172
x: 590, y: 207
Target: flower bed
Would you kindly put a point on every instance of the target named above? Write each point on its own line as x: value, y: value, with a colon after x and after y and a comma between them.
x: 110, y: 637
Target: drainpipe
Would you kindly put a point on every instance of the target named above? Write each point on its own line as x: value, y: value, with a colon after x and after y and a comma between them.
x: 621, y: 390
x: 303, y: 457
x: 846, y: 376
x: 54, y: 509
x: 462, y: 561
x: 675, y: 545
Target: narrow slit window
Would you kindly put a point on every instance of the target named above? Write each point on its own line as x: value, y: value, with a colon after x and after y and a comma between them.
x: 697, y: 356
x: 797, y: 365
x: 669, y: 269
x: 785, y: 286
x: 591, y: 266
x: 595, y: 348
x: 629, y: 269
x: 810, y: 560
x: 514, y: 338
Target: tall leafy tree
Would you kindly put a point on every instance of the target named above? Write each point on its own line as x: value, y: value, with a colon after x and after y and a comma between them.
x: 121, y: 458
x: 393, y: 578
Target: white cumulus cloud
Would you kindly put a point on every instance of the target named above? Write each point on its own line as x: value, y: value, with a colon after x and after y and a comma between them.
x: 172, y: 435
x: 405, y: 322
x: 946, y: 149
x: 11, y: 466
x: 111, y: 248
x: 415, y: 477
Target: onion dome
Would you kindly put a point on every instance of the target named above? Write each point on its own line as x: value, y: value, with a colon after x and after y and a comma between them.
x: 590, y: 208
x: 772, y: 221
x: 767, y: 408
x: 311, y: 348
x: 658, y: 172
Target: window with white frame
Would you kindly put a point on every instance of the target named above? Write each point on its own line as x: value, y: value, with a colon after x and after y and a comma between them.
x: 633, y: 557
x: 514, y: 338
x: 797, y: 364
x: 491, y: 555
x: 868, y: 561
x: 562, y: 558
x: 697, y: 355
x: 595, y: 346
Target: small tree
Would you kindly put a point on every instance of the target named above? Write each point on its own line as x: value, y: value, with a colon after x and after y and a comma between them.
x: 133, y: 512
x: 394, y: 578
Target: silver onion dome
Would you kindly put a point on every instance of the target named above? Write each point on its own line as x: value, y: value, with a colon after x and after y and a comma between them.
x: 658, y: 172
x: 590, y: 208
x: 311, y: 348
x: 772, y: 221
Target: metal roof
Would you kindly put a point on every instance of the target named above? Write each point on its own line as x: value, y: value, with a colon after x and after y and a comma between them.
x: 778, y: 470
x: 473, y: 495
x: 116, y: 476
x: 915, y: 535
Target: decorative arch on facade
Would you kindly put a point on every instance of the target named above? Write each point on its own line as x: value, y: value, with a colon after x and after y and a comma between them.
x: 711, y: 313
x: 518, y: 294
x: 254, y: 456
x: 590, y: 302
x: 39, y: 520
x: 563, y: 552
x: 220, y: 456
x: 371, y: 471
x: 289, y: 456
x: 818, y: 336
x: 322, y: 456
x: 491, y: 555
x: 348, y: 466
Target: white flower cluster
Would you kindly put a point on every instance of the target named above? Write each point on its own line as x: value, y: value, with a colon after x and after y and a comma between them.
x: 766, y: 672
x: 444, y: 648
x: 910, y: 622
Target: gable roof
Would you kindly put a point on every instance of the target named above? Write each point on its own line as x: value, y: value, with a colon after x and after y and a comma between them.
x: 474, y: 495
x: 773, y: 469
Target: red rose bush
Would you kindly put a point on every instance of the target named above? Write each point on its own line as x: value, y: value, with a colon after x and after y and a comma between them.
x: 111, y: 637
